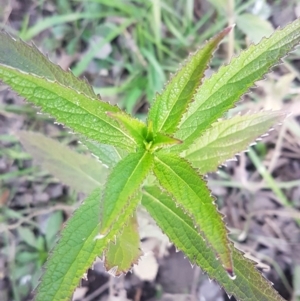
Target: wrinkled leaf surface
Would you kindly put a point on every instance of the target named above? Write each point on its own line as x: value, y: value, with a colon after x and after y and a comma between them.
x: 121, y: 255
x: 190, y: 192
x: 249, y: 284
x: 226, y: 138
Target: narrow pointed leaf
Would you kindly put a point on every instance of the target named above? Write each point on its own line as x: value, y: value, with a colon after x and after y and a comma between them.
x: 136, y: 128
x: 221, y: 91
x: 169, y: 106
x: 19, y: 55
x: 191, y: 193
x: 226, y: 138
x: 249, y: 284
x: 161, y: 140
x: 87, y: 116
x: 107, y: 154
x: 122, y: 184
x: 81, y: 172
x: 77, y: 249
x: 74, y: 253
x: 122, y: 255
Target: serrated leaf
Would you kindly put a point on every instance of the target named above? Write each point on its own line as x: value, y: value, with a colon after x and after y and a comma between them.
x: 122, y: 255
x: 77, y: 249
x: 222, y: 90
x: 74, y: 253
x: 85, y: 115
x: 81, y: 172
x: 122, y: 184
x: 191, y: 193
x: 169, y: 106
x: 226, y: 138
x: 107, y: 154
x: 19, y: 55
x: 136, y: 128
x: 249, y: 284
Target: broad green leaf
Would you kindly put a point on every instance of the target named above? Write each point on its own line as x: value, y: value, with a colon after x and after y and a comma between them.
x: 226, y: 138
x: 249, y: 284
x: 169, y: 106
x: 122, y: 184
x: 107, y: 154
x: 74, y: 253
x: 19, y: 55
x: 81, y: 172
x: 254, y: 27
x: 87, y: 116
x: 125, y: 252
x: 191, y: 193
x: 78, y: 248
x: 222, y: 90
x: 136, y: 128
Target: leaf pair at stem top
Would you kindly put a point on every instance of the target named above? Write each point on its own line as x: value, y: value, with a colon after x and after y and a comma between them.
x: 173, y: 173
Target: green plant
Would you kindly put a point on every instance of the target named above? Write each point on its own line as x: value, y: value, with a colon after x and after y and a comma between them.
x: 159, y: 164
x: 149, y: 29
x: 30, y: 253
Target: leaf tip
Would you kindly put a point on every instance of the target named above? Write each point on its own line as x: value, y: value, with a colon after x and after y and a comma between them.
x: 231, y: 27
x: 227, y: 30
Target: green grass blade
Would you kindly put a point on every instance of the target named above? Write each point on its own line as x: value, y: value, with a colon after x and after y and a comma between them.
x: 123, y: 183
x: 79, y: 241
x: 17, y: 54
x: 59, y: 19
x: 249, y: 284
x: 82, y: 173
x: 221, y: 91
x: 125, y: 252
x: 169, y: 106
x: 191, y: 193
x: 88, y: 57
x: 84, y: 115
x: 124, y: 7
x: 268, y: 178
x: 226, y: 138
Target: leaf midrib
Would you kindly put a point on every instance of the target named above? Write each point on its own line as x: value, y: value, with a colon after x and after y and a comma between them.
x: 178, y: 176
x: 196, y: 108
x: 134, y: 170
x: 193, y: 229
x: 65, y: 87
x: 173, y: 105
x: 58, y: 290
x: 217, y: 139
